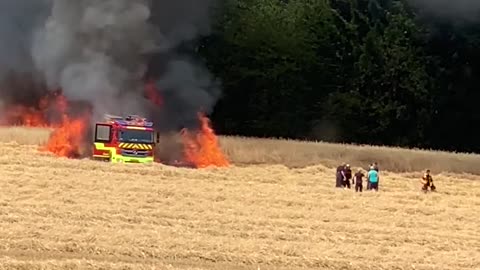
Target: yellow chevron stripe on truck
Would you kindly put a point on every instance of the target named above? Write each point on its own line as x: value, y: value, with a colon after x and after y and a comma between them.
x: 136, y: 146
x: 123, y: 145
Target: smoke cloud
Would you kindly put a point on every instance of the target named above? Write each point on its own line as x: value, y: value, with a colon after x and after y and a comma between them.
x: 465, y: 10
x: 181, y: 20
x: 18, y: 80
x: 184, y: 82
x: 187, y: 90
x: 17, y: 21
x: 100, y: 51
x: 92, y: 50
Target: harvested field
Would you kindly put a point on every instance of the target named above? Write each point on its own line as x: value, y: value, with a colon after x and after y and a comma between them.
x: 80, y: 214
x: 297, y: 154
x: 300, y: 154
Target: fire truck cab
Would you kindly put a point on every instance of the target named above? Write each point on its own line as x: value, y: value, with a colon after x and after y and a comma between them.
x: 128, y: 139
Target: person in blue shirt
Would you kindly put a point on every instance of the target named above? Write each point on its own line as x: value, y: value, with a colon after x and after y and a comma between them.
x: 373, y: 178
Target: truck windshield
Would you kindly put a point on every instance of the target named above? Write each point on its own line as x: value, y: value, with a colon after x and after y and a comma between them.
x: 135, y: 136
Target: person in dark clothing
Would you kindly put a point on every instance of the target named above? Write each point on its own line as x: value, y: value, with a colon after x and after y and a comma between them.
x: 340, y: 175
x: 375, y: 166
x: 348, y: 176
x: 427, y: 182
x: 358, y: 181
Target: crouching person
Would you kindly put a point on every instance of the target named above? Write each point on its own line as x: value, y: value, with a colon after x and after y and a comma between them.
x: 427, y: 182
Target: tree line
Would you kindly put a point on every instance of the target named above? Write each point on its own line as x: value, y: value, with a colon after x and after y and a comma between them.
x: 361, y: 71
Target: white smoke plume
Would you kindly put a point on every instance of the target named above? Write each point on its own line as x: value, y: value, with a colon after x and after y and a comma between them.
x: 92, y: 50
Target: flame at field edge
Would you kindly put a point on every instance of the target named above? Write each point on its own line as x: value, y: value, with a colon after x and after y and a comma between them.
x: 201, y: 147
x: 69, y: 134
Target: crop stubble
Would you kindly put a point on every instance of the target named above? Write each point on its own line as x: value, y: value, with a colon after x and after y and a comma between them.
x: 80, y: 214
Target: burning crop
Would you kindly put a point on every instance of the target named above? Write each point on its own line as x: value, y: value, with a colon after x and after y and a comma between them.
x: 70, y: 129
x: 69, y: 134
x: 101, y: 52
x: 201, y: 147
x: 52, y: 111
x: 67, y: 138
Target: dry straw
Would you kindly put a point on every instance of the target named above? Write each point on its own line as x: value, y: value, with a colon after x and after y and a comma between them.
x: 81, y: 214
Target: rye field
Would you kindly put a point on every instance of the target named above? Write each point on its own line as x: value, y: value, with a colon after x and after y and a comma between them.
x: 275, y: 208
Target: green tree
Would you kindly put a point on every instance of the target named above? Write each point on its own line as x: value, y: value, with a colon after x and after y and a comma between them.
x: 389, y: 101
x: 373, y: 70
x: 275, y: 62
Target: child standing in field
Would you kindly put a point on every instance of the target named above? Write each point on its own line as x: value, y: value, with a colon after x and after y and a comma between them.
x: 358, y: 181
x: 373, y: 178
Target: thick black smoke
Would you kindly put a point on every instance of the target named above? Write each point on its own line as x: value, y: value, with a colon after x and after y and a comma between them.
x: 19, y: 82
x: 100, y: 51
x: 183, y: 81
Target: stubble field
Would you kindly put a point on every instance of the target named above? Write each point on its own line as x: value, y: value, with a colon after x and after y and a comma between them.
x: 80, y: 214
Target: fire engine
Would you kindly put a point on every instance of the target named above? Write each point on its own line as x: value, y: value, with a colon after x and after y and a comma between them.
x: 128, y: 139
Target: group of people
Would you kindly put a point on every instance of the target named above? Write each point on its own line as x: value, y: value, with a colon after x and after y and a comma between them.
x: 344, y: 175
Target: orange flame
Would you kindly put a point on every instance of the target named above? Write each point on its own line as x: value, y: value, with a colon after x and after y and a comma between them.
x: 68, y: 138
x: 19, y: 115
x: 152, y: 94
x: 24, y: 116
x: 202, y: 148
x: 69, y: 133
